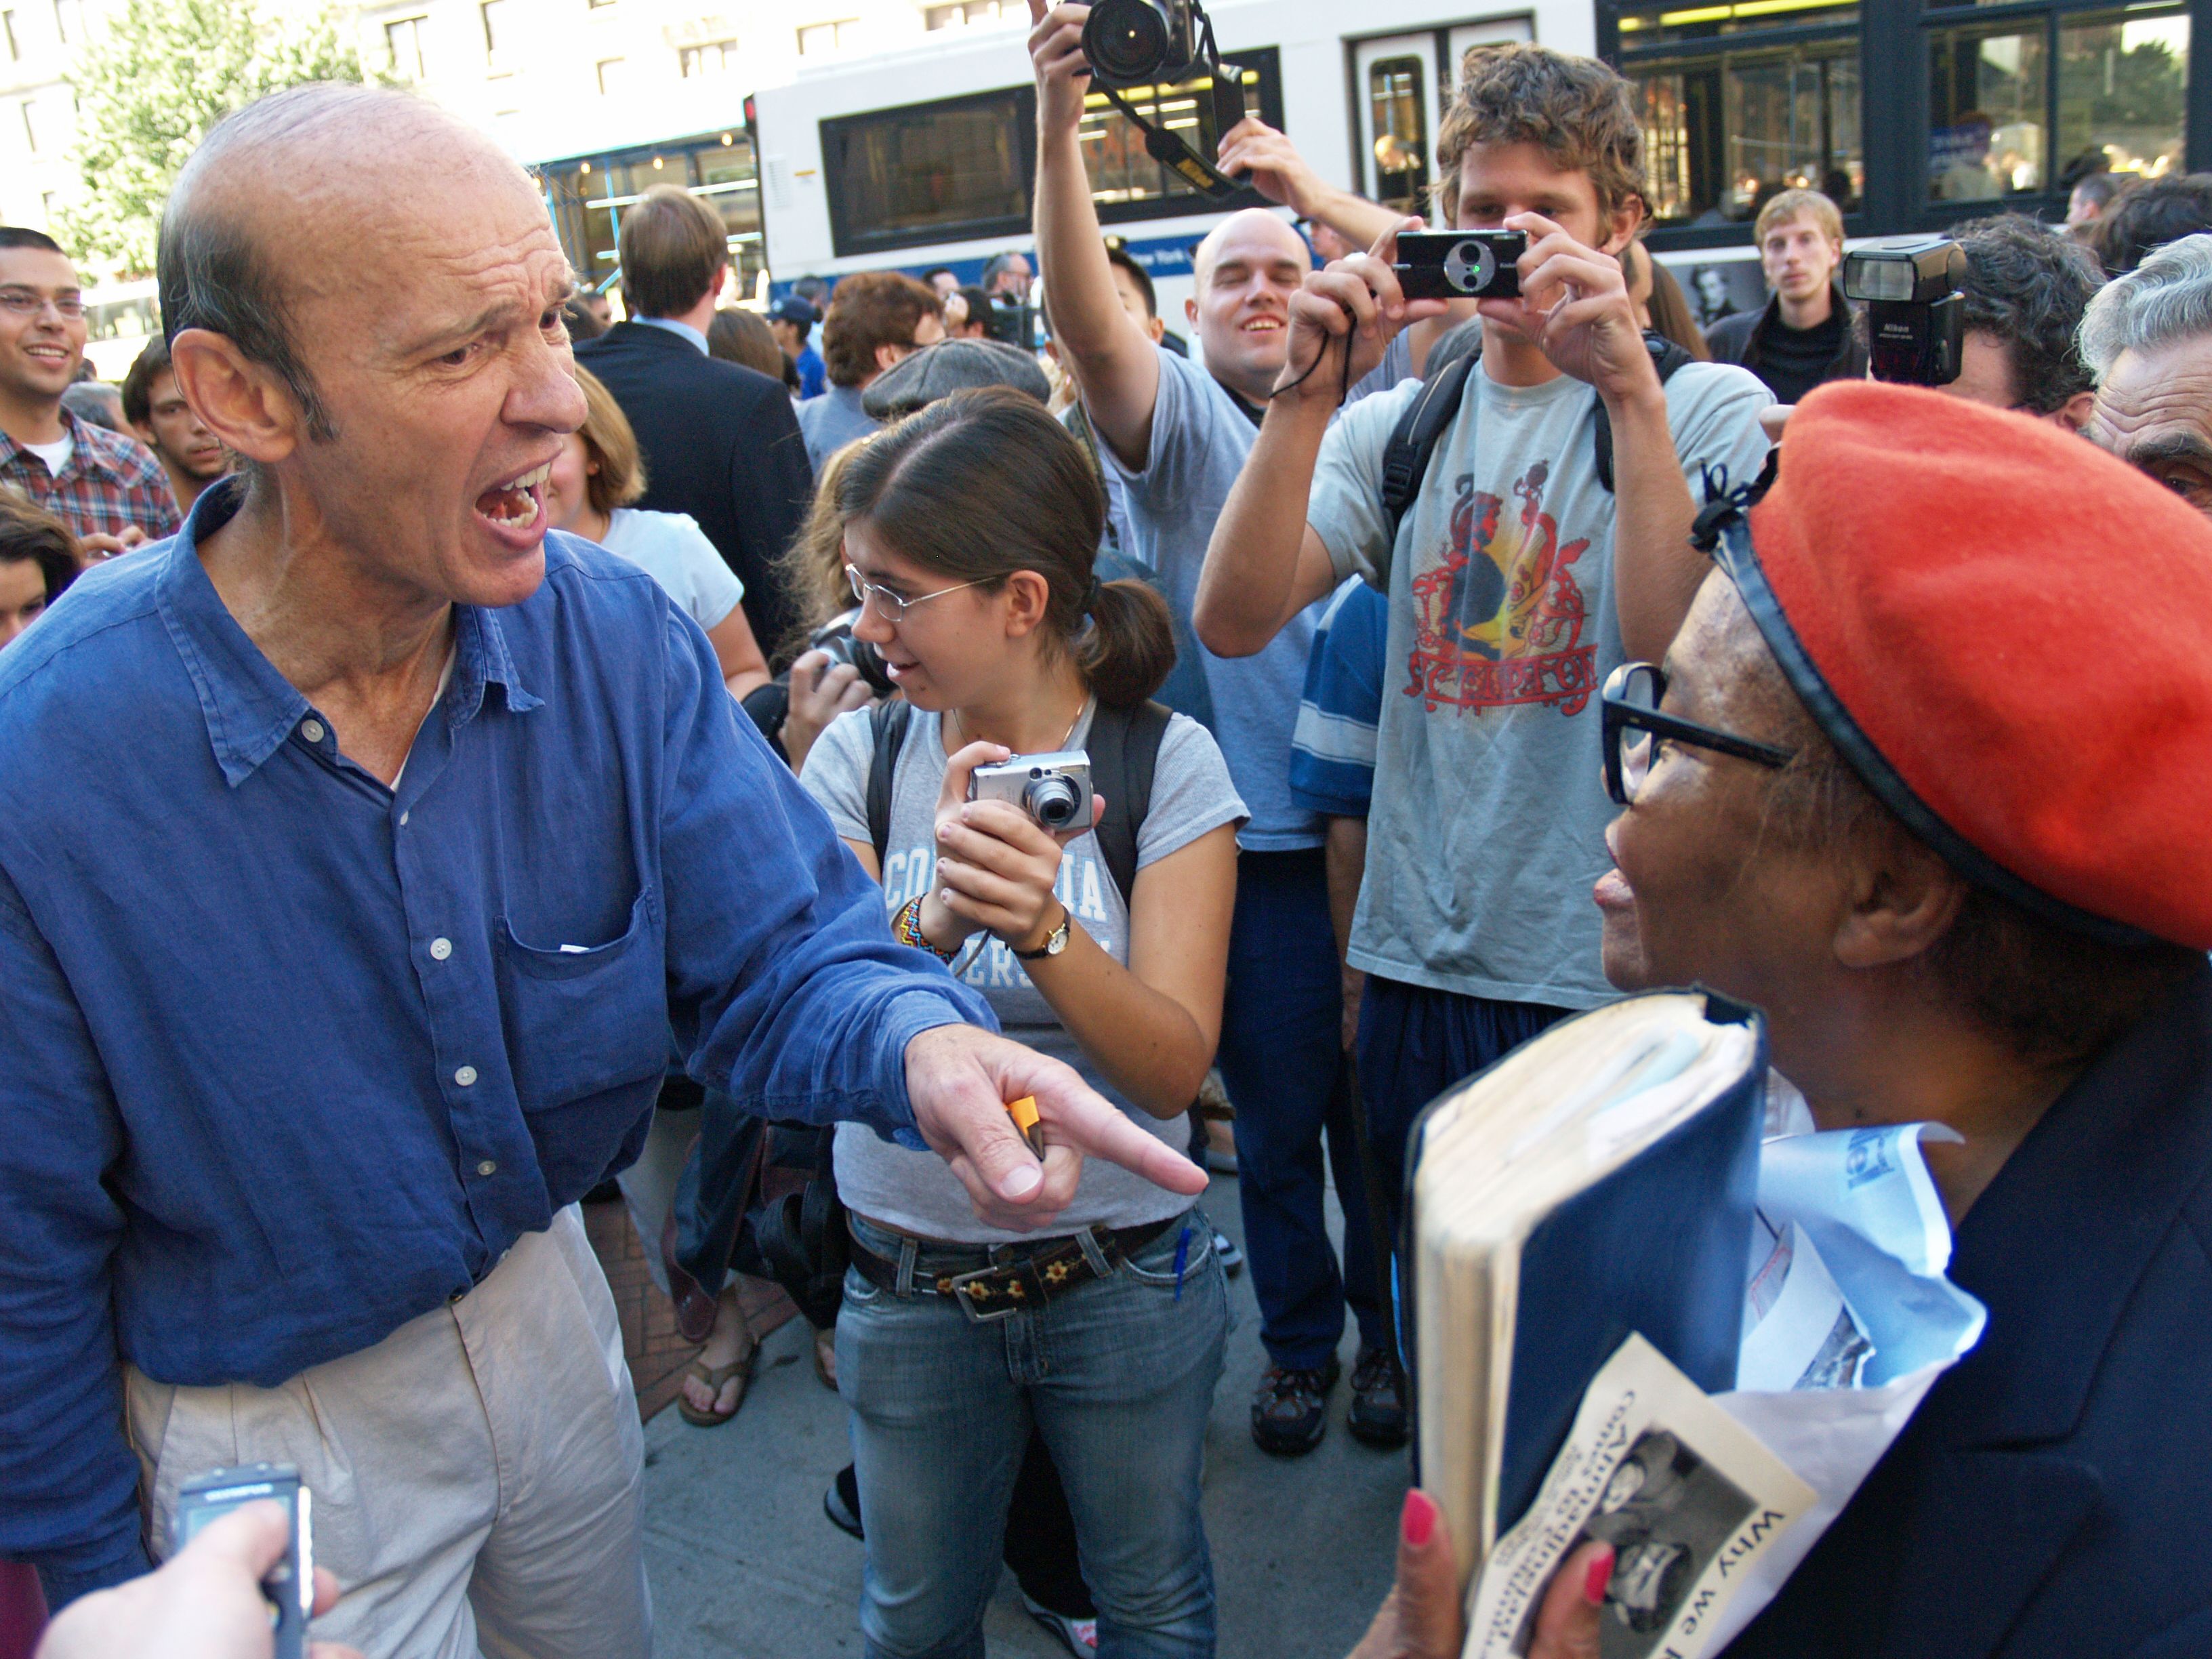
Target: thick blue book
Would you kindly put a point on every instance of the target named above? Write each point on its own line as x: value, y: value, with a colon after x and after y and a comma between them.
x: 1598, y: 1180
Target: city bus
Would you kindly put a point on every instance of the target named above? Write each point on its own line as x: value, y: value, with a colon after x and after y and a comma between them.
x: 857, y: 173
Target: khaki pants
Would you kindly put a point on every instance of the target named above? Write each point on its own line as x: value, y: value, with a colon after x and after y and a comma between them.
x: 476, y: 1473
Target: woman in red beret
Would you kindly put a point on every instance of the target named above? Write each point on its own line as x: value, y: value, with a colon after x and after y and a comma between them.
x: 1928, y: 774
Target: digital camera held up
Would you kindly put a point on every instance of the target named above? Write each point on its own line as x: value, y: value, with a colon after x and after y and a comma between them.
x: 1460, y: 264
x: 1053, y: 789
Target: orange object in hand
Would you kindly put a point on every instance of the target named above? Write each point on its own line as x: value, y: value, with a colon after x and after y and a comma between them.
x: 1024, y: 1114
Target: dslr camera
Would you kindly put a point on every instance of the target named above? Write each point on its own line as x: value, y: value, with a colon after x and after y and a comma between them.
x: 1460, y: 264
x: 1053, y: 789
x: 1142, y: 43
x: 1011, y: 322
x: 833, y: 639
x: 1916, y: 312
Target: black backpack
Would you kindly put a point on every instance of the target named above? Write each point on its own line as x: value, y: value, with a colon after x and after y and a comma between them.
x: 1405, y: 460
x: 1124, y: 746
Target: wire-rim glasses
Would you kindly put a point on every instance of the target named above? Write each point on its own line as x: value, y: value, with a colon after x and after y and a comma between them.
x: 1630, y: 709
x: 894, y: 607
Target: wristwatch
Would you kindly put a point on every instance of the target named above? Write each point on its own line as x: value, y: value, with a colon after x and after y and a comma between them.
x: 1054, y: 942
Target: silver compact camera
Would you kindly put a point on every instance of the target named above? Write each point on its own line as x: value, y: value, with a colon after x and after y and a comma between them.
x: 1055, y: 789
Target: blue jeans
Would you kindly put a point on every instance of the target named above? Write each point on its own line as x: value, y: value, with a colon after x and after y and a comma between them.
x: 1118, y: 1375
x: 1280, y: 1048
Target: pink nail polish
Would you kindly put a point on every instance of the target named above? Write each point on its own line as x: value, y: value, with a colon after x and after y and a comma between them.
x: 1597, y: 1577
x: 1417, y: 1522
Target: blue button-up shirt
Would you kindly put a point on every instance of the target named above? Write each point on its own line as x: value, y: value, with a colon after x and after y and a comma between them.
x: 288, y: 1058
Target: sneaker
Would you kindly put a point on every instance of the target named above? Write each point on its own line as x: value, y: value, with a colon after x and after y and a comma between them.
x: 1078, y: 1635
x: 1289, y: 1409
x: 1377, y: 1416
x: 1231, y: 1258
x: 841, y: 1503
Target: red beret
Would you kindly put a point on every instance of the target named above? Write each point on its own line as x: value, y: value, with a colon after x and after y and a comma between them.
x: 2008, y: 636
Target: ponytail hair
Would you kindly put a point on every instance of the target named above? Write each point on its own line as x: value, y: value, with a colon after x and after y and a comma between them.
x: 984, y: 483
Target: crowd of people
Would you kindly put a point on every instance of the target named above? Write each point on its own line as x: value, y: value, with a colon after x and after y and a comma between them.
x: 581, y: 750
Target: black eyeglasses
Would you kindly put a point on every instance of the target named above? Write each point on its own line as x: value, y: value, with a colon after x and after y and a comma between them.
x: 1630, y: 709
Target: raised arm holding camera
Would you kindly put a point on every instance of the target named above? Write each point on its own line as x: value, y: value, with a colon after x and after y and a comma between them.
x: 1174, y: 433
x: 1516, y: 577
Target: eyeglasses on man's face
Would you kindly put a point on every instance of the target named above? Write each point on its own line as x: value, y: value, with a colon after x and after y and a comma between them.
x: 892, y: 607
x: 1634, y: 729
x: 28, y: 302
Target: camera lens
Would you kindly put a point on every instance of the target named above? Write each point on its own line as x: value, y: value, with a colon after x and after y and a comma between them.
x: 1052, y: 801
x: 1126, y: 41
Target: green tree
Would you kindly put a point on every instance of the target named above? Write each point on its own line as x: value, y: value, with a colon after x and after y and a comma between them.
x: 151, y: 82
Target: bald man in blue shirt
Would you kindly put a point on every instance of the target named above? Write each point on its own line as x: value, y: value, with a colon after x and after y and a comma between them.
x: 360, y: 847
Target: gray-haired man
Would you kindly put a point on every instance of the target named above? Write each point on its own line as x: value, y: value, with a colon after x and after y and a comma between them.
x: 2147, y: 335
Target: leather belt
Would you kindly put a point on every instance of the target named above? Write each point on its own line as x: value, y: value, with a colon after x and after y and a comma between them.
x: 1012, y: 1277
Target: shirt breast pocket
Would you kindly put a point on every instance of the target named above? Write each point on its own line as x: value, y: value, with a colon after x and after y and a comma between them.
x: 581, y: 1020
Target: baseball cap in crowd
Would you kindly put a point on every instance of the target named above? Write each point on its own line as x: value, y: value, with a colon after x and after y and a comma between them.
x: 936, y: 371
x: 2008, y: 634
x: 794, y: 308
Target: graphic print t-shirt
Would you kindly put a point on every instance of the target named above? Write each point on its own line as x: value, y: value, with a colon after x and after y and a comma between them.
x: 1191, y: 794
x: 1488, y: 824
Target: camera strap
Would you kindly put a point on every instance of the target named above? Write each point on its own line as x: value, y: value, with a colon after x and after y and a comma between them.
x: 1171, y: 151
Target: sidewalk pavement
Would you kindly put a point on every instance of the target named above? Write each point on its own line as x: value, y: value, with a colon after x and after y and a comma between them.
x: 744, y: 1566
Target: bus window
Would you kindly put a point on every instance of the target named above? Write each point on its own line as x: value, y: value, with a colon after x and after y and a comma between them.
x: 930, y: 172
x: 960, y: 169
x: 1121, y: 170
x: 1397, y: 102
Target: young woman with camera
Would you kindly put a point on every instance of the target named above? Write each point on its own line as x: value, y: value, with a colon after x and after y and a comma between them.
x: 971, y: 530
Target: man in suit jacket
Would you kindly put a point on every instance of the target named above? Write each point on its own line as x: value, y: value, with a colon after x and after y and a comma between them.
x: 1970, y: 896
x: 719, y: 440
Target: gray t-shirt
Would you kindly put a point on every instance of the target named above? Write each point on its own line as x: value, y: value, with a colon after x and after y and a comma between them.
x: 913, y: 1191
x: 1488, y: 827
x: 1200, y: 440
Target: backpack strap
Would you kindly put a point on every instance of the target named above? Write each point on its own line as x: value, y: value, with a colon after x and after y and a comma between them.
x: 1405, y: 460
x: 887, y: 724
x: 1124, y: 746
x: 1666, y: 357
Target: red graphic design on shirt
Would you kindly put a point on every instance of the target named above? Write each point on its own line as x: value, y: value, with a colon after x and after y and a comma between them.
x: 1499, y: 619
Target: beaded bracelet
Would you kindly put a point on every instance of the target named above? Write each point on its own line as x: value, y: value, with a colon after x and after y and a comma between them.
x: 906, y: 928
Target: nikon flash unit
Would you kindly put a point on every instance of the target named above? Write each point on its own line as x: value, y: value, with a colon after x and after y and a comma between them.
x: 1915, y: 314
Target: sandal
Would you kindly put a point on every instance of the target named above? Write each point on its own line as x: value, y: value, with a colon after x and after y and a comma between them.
x: 713, y: 1379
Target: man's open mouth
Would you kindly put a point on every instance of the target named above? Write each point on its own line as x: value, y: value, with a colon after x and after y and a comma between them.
x: 514, y: 505
x: 1263, y: 325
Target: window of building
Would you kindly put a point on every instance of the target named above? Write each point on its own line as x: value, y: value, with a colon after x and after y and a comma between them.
x: 1738, y: 102
x: 69, y: 21
x: 29, y: 109
x: 714, y: 58
x: 962, y: 167
x: 495, y: 26
x: 8, y: 32
x: 963, y: 13
x: 402, y: 47
x: 613, y: 75
x: 817, y: 37
x: 46, y: 206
